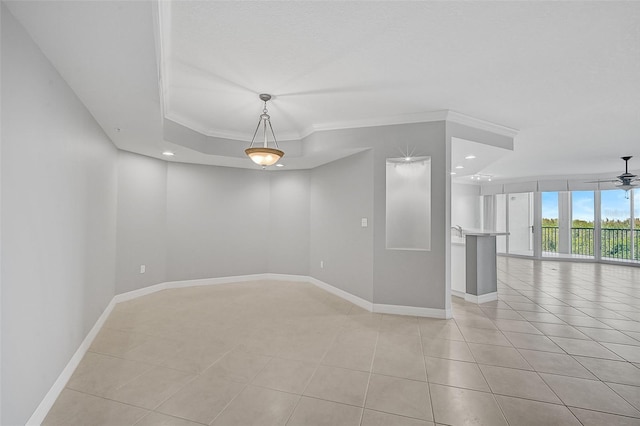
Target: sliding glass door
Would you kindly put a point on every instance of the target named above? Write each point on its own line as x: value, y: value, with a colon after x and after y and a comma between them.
x: 501, y: 222
x: 636, y: 224
x: 615, y: 223
x: 521, y: 223
x: 582, y: 223
x: 596, y: 225
x: 550, y: 220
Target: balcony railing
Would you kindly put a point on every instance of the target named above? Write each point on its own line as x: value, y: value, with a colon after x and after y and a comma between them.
x: 550, y: 239
x: 615, y: 243
x: 582, y: 241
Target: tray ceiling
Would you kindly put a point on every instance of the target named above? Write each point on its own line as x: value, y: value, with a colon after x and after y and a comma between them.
x: 563, y: 73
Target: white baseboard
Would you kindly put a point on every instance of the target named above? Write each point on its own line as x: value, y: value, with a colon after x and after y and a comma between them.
x: 488, y: 297
x: 458, y: 293
x: 200, y: 282
x: 411, y: 310
x: 287, y: 277
x: 50, y: 398
x: 41, y: 412
x: 358, y: 301
x: 208, y: 281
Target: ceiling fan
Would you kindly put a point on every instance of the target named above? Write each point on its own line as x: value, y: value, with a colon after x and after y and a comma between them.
x: 626, y: 180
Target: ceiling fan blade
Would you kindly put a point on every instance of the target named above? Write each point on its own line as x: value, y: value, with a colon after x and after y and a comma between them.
x: 625, y: 178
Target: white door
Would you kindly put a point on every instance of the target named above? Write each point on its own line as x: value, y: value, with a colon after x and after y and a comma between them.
x: 521, y: 223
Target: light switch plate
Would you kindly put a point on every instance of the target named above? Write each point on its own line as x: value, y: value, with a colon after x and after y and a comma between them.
x: 365, y: 222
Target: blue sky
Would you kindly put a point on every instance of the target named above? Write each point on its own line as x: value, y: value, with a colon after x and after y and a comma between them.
x: 582, y: 205
x: 614, y: 205
x: 550, y: 205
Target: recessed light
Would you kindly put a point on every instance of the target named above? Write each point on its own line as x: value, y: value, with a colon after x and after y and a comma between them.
x: 459, y: 167
x: 168, y: 153
x: 407, y: 158
x: 279, y: 165
x: 452, y: 173
x: 470, y: 157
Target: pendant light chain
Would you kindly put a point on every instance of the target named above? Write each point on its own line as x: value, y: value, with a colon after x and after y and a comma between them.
x: 264, y: 156
x: 265, y: 117
x: 265, y: 120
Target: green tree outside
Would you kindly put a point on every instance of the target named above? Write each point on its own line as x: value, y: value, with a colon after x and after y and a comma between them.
x: 615, y: 237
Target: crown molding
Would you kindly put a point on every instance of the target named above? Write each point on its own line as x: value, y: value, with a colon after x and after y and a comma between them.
x: 423, y: 117
x: 428, y: 117
x: 479, y: 124
x: 236, y: 136
x: 162, y: 32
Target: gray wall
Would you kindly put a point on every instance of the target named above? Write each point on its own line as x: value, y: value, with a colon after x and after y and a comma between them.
x: 411, y: 278
x: 341, y: 195
x: 465, y: 206
x: 59, y: 184
x: 289, y: 222
x: 399, y: 277
x: 142, y: 221
x: 187, y: 221
x: 217, y: 221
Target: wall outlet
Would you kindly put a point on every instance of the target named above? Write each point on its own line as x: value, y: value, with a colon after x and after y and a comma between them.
x: 364, y: 223
x: 143, y: 269
x: 322, y: 264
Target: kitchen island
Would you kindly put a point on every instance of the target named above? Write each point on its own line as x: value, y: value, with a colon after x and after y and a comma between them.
x: 481, y: 267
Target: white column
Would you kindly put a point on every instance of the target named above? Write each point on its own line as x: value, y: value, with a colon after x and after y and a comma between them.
x: 633, y: 222
x: 537, y: 225
x: 597, y: 227
x: 564, y: 222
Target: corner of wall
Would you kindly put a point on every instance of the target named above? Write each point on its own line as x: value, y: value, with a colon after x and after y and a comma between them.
x: 141, y: 221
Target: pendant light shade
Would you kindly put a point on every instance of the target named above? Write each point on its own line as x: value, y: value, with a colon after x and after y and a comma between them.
x: 264, y: 156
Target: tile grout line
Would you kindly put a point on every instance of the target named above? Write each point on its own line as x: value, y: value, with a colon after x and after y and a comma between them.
x: 335, y: 337
x: 151, y: 367
x: 424, y: 363
x: 366, y: 392
x: 608, y: 413
x: 573, y: 357
x: 493, y: 395
x: 533, y: 370
x: 622, y: 396
x: 518, y: 351
x: 195, y: 377
x: 167, y: 415
x: 243, y: 388
x: 149, y: 410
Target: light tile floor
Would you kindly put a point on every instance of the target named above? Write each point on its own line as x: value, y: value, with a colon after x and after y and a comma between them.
x: 561, y: 346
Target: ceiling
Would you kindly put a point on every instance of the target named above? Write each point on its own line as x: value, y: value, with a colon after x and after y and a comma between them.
x: 471, y: 160
x: 564, y: 74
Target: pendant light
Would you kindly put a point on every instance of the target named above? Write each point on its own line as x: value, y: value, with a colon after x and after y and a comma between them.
x: 264, y: 156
